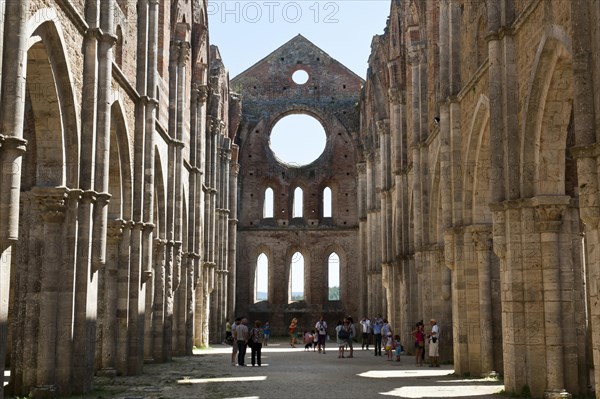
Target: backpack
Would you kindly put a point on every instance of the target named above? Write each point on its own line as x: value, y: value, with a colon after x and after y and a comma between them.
x: 257, y: 335
x: 343, y: 334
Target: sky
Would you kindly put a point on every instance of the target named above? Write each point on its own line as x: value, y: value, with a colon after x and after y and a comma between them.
x: 247, y: 31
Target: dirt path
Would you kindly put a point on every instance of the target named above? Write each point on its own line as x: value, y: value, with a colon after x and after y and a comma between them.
x: 293, y: 374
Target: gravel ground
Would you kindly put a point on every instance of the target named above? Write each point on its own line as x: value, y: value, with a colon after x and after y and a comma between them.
x: 292, y: 374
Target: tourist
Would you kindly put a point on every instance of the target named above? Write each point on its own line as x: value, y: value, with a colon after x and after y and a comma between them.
x: 376, y: 326
x: 387, y: 336
x: 434, y: 342
x: 256, y: 339
x: 292, y: 332
x: 321, y: 329
x: 307, y: 337
x: 389, y: 342
x: 227, y: 333
x: 241, y: 337
x: 419, y: 336
x: 267, y: 333
x: 366, y: 331
x: 340, y: 339
x: 234, y: 349
x: 397, y: 345
x: 352, y: 333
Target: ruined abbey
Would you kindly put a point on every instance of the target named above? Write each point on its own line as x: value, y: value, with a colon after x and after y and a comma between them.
x: 459, y: 181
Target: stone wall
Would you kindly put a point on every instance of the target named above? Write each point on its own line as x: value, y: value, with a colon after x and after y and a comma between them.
x: 489, y: 181
x: 330, y: 95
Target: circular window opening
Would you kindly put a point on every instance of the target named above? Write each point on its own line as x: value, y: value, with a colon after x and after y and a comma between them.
x: 300, y: 77
x: 297, y: 140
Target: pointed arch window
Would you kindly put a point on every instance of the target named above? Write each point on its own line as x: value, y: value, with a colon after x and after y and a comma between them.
x: 296, y: 286
x: 261, y: 280
x: 327, y: 203
x: 268, y: 203
x: 333, y: 277
x: 297, y: 205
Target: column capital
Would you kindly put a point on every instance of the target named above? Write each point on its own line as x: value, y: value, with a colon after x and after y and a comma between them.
x: 483, y: 239
x: 183, y: 52
x: 383, y: 126
x: 13, y: 143
x: 88, y: 196
x: 201, y: 93
x: 148, y: 227
x: 115, y: 228
x: 395, y: 96
x: 51, y: 203
x: 549, y: 211
x: 103, y: 198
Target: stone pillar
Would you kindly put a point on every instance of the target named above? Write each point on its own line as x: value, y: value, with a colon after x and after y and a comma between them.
x: 232, y: 245
x: 109, y: 301
x: 51, y: 203
x: 123, y: 286
x: 158, y: 313
x: 548, y: 218
x: 482, y: 239
x: 12, y: 146
x: 135, y: 303
x: 106, y: 43
x: 169, y: 300
x: 86, y: 285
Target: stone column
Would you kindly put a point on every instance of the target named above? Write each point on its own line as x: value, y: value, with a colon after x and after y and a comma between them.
x: 109, y: 300
x: 12, y: 146
x: 158, y: 318
x: 51, y: 203
x: 124, y: 273
x: 84, y: 331
x: 232, y: 245
x: 169, y: 301
x: 107, y: 40
x: 482, y: 239
x: 548, y: 218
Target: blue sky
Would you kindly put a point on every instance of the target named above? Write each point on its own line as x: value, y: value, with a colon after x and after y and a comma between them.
x: 247, y: 31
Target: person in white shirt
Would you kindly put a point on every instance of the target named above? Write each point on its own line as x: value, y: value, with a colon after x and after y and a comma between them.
x: 321, y: 331
x: 366, y: 332
x: 434, y: 344
x: 234, y: 349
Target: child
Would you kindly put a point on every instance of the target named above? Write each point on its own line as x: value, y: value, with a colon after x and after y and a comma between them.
x: 315, y: 340
x: 388, y: 346
x: 308, y: 340
x: 397, y: 347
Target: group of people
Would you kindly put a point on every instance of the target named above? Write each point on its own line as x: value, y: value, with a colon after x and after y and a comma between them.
x: 383, y: 336
x: 240, y: 336
x: 433, y: 341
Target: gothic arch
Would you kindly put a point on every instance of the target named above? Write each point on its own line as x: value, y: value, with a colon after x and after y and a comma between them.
x: 435, y: 222
x: 51, y: 103
x: 120, y: 174
x: 160, y: 215
x: 477, y: 166
x: 549, y: 103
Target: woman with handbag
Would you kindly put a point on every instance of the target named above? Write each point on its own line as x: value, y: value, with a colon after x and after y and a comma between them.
x: 419, y: 335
